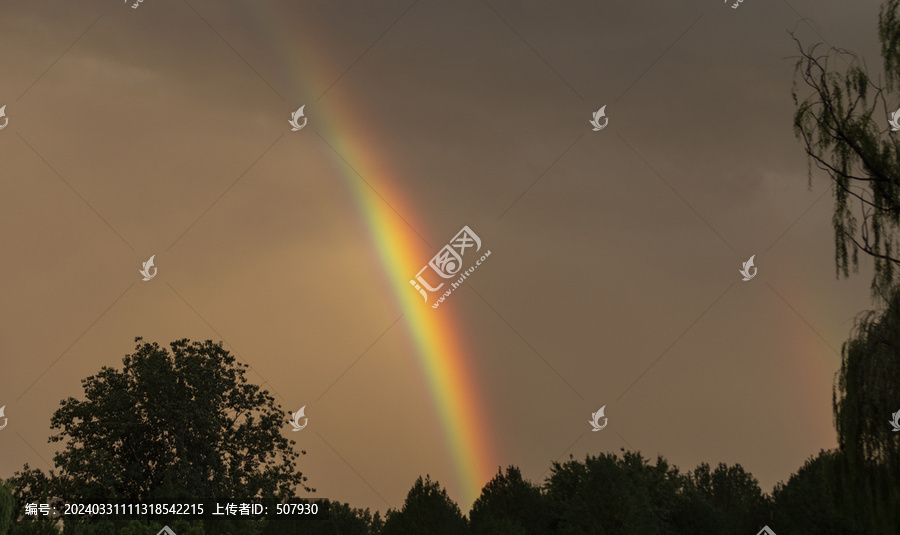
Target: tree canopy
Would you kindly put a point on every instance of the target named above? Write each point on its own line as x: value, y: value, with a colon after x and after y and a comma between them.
x: 169, y: 426
x: 428, y: 510
x: 843, y: 124
x: 509, y: 504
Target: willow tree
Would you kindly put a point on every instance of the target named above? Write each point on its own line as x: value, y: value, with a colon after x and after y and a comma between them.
x: 850, y: 131
x: 868, y: 388
x: 844, y: 125
x: 867, y: 396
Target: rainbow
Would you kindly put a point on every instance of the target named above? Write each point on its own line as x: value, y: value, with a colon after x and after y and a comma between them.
x: 435, y: 334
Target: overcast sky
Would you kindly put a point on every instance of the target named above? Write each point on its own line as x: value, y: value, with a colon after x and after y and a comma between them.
x: 613, y: 280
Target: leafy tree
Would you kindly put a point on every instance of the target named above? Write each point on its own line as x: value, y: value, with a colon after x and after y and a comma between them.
x: 7, y: 506
x: 185, y: 424
x: 694, y: 513
x: 169, y: 427
x: 838, y: 127
x: 346, y: 520
x: 842, y: 125
x: 36, y: 527
x: 31, y: 486
x: 332, y: 518
x: 609, y: 495
x: 428, y: 510
x: 812, y: 502
x: 106, y: 526
x: 867, y: 392
x: 868, y: 388
x: 509, y: 505
x: 738, y: 504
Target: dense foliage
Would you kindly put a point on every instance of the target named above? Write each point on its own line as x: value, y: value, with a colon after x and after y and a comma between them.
x: 842, y: 120
x: 132, y: 438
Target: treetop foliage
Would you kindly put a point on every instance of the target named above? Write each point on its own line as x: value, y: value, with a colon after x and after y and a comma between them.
x: 842, y: 125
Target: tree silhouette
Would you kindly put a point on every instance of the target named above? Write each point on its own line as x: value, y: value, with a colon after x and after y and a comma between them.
x: 346, y: 520
x: 428, y: 510
x: 509, y: 505
x: 866, y: 394
x: 838, y: 127
x: 842, y: 125
x: 738, y: 504
x: 169, y: 427
x: 332, y: 518
x: 812, y: 502
x: 31, y: 486
x: 868, y: 387
x: 185, y: 425
x: 7, y: 507
x: 610, y: 495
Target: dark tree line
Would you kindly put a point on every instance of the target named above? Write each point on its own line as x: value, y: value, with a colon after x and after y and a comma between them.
x: 185, y: 426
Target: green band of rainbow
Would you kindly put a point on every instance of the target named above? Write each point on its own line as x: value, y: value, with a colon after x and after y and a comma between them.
x: 436, y: 334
